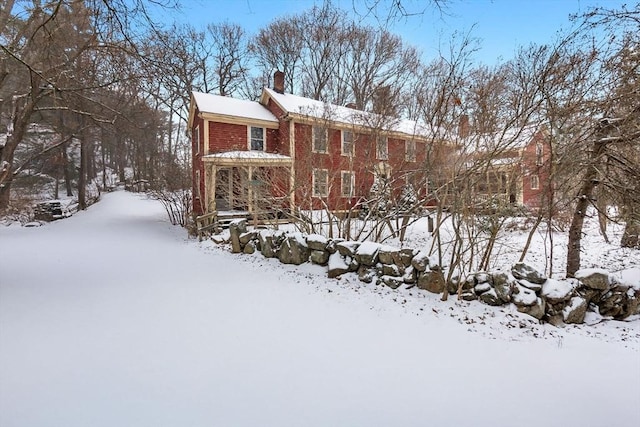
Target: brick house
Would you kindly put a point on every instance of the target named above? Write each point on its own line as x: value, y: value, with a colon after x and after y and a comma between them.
x: 286, y: 151
x: 513, y: 165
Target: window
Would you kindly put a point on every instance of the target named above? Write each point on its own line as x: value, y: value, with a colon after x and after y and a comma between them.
x: 256, y: 138
x: 535, y: 182
x: 320, y: 182
x: 319, y: 139
x: 382, y: 148
x: 539, y: 154
x: 196, y: 140
x: 410, y: 151
x: 346, y: 189
x: 197, y: 184
x: 347, y: 143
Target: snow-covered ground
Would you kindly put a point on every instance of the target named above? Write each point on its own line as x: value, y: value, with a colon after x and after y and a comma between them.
x: 114, y: 318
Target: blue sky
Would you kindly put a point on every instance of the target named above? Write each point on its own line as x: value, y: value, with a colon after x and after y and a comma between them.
x: 500, y: 25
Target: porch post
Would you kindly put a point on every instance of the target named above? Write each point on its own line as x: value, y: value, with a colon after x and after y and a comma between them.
x: 212, y: 189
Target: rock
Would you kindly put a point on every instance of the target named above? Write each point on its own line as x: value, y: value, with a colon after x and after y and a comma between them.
x: 294, y: 250
x: 557, y: 290
x: 593, y: 316
x: 536, y: 310
x: 483, y: 277
x: 503, y: 285
x: 319, y: 257
x: 630, y: 277
x: 556, y: 320
x: 347, y: 248
x: 481, y: 288
x: 490, y: 297
x: 367, y: 253
x: 406, y: 256
x: 332, y: 246
x: 236, y: 228
x: 535, y: 287
x: 270, y: 242
x: 391, y: 270
x: 388, y: 255
x: 337, y: 265
x: 392, y: 282
x: 525, y: 272
x: 409, y: 275
x: 353, y: 264
x: 469, y: 295
x: 432, y: 281
x: 594, y: 278
x: 420, y: 261
x: 522, y: 296
x: 434, y: 263
x: 366, y: 274
x: 317, y: 242
x: 246, y: 237
x: 575, y: 311
x: 250, y: 247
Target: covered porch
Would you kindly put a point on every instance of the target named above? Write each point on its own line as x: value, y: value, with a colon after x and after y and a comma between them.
x: 248, y: 184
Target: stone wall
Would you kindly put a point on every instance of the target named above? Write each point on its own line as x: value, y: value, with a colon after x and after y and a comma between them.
x: 593, y: 295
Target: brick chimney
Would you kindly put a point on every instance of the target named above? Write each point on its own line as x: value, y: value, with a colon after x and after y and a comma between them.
x: 278, y: 81
x: 463, y: 126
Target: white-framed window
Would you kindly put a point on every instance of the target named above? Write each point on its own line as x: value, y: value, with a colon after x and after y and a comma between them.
x: 256, y: 138
x: 319, y: 139
x: 382, y: 148
x: 410, y: 150
x: 197, y: 185
x: 535, y: 182
x: 320, y: 183
x: 539, y: 154
x: 196, y: 139
x: 347, y: 143
x: 347, y: 183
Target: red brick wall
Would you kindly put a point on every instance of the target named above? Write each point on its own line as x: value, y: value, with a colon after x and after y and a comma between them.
x: 227, y: 137
x: 536, y: 198
x: 197, y: 165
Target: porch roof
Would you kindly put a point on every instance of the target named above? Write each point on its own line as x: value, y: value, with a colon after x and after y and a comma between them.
x: 248, y: 158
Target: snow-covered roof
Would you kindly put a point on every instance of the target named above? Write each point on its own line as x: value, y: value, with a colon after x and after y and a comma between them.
x: 348, y: 116
x: 247, y: 156
x: 509, y: 139
x: 225, y: 106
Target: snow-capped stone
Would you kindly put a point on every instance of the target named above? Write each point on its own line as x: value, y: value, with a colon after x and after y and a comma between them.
x: 347, y: 248
x: 490, y: 297
x: 575, y: 311
x: 406, y: 256
x: 526, y: 272
x: 366, y: 274
x: 392, y: 282
x: 388, y: 255
x: 294, y: 250
x: 236, y: 228
x: 420, y: 261
x: 481, y: 288
x: 557, y: 290
x: 409, y: 276
x: 523, y: 296
x: 391, y: 270
x: 594, y: 278
x: 630, y: 277
x: 502, y: 283
x: 434, y: 262
x: 367, y: 253
x: 535, y: 310
x: 483, y: 277
x: 535, y: 287
x: 319, y: 257
x: 317, y: 242
x: 337, y: 265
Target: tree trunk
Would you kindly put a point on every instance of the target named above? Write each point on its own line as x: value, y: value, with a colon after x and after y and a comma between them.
x: 66, y: 171
x: 82, y: 178
x: 585, y: 196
